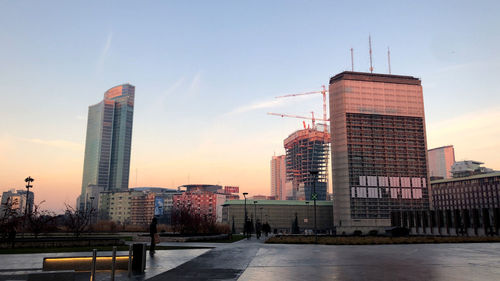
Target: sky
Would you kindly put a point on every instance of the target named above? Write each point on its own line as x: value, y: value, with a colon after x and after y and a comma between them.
x: 207, y: 72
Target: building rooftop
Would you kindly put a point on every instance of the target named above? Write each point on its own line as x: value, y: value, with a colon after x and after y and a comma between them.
x: 441, y: 147
x: 480, y: 176
x: 375, y: 77
x: 278, y: 202
x: 153, y: 189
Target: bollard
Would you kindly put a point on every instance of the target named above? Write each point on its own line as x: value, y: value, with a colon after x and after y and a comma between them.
x: 93, y: 265
x: 144, y: 257
x: 129, y: 260
x: 139, y: 257
x: 113, y: 264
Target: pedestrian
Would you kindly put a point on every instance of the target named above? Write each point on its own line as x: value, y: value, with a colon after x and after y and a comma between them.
x: 258, y: 229
x: 153, y: 233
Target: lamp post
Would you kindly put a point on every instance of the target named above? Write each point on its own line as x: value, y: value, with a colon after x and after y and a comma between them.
x: 28, y: 181
x: 91, y: 208
x: 314, y: 197
x: 255, y: 215
x: 246, y: 218
x: 307, y: 210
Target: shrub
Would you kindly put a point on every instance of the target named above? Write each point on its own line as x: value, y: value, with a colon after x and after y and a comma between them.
x: 104, y: 226
x: 373, y: 232
x: 357, y: 233
x: 186, y: 221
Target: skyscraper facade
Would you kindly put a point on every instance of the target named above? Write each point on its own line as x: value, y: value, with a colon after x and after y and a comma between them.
x: 379, y: 150
x: 307, y: 151
x: 108, y: 142
x: 278, y: 177
x: 440, y: 161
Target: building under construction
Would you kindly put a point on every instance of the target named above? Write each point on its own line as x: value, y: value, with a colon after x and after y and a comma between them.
x: 307, y: 150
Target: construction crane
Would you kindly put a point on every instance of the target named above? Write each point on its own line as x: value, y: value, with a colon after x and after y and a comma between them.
x: 301, y: 117
x: 323, y: 92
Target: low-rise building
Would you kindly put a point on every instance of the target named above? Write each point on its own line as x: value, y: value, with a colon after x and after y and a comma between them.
x: 280, y: 214
x: 473, y: 192
x: 142, y: 208
x: 203, y: 203
x: 159, y: 204
x: 116, y: 205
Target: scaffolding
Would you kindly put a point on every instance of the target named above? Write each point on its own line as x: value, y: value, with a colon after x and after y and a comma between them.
x: 307, y: 150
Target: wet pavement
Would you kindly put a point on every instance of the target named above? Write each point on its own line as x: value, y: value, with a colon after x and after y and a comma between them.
x: 249, y: 260
x: 376, y: 262
x: 226, y: 262
x: 16, y: 267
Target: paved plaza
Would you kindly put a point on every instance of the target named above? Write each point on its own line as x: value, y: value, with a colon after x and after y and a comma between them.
x: 248, y: 260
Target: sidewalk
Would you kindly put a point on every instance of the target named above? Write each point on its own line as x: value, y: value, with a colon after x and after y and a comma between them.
x: 226, y: 262
x: 17, y: 267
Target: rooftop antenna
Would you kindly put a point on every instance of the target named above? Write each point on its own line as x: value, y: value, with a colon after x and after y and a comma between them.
x: 389, y: 59
x: 370, y: 44
x: 352, y: 59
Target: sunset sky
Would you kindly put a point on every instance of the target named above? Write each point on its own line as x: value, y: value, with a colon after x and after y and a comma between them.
x: 207, y: 72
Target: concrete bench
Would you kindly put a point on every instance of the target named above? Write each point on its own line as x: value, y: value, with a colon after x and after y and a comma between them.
x: 82, y: 263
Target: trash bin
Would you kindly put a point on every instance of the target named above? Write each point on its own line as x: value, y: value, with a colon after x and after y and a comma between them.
x: 138, y: 257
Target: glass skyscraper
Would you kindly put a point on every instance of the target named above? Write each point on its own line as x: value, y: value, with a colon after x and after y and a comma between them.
x: 108, y: 143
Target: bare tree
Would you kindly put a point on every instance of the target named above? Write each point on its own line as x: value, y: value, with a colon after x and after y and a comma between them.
x: 186, y: 221
x: 10, y: 220
x: 77, y: 221
x: 40, y: 220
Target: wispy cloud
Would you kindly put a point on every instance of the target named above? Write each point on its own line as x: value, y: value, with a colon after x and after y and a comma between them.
x: 257, y: 105
x: 174, y: 87
x: 63, y: 144
x: 270, y: 103
x: 194, y: 86
x: 104, y: 52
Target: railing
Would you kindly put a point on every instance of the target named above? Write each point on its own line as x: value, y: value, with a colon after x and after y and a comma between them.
x: 135, y: 260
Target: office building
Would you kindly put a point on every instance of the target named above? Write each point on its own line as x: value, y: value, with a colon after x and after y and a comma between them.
x: 472, y: 192
x: 468, y: 168
x: 108, y: 142
x: 307, y: 151
x: 379, y: 150
x: 440, y: 161
x: 278, y: 177
x: 16, y: 201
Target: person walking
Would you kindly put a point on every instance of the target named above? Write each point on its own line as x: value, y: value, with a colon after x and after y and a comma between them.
x: 153, y: 232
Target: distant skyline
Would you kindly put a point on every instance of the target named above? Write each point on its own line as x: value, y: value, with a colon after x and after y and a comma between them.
x: 206, y: 73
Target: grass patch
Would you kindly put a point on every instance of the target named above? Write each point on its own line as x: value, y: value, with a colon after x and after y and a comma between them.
x: 234, y: 238
x: 368, y: 240
x: 86, y: 249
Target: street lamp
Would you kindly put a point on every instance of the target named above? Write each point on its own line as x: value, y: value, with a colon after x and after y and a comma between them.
x: 246, y: 218
x: 28, y: 181
x: 307, y: 210
x: 255, y: 215
x: 314, y: 197
x: 91, y: 208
